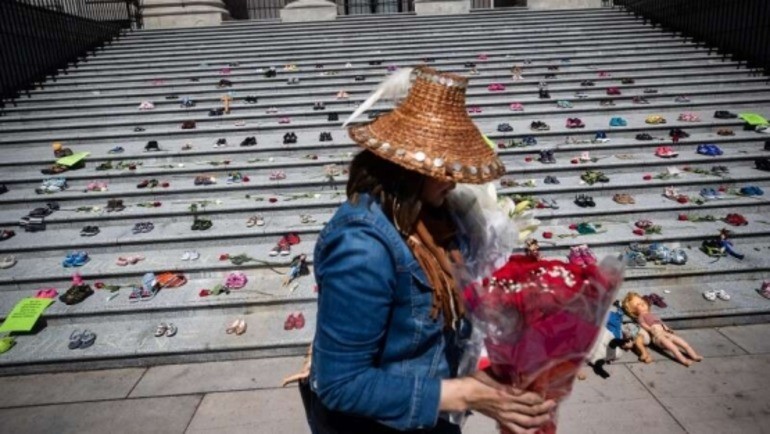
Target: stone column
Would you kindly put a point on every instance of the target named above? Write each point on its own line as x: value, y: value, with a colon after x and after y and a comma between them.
x: 160, y: 14
x: 309, y: 10
x: 563, y: 4
x: 442, y: 7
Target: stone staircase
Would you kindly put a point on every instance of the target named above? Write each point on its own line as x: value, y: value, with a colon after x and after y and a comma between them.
x: 94, y: 108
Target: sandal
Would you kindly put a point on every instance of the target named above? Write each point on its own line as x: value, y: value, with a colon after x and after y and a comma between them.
x: 710, y: 295
x: 170, y: 280
x: 723, y: 295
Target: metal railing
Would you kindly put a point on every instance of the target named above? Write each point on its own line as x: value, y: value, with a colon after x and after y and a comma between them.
x: 39, y: 38
x: 739, y: 29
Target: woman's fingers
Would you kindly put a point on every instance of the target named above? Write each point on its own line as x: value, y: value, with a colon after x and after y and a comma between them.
x: 523, y: 421
x: 294, y: 378
x: 529, y: 410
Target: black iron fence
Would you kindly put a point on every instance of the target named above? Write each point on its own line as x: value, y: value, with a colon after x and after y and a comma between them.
x: 38, y: 38
x: 736, y: 28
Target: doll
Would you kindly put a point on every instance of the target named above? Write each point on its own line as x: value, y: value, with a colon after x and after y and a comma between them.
x: 532, y: 249
x: 516, y: 73
x: 662, y: 336
x: 226, y: 99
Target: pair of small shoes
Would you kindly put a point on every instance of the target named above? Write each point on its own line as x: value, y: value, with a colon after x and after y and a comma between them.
x: 712, y: 295
x: 289, y: 138
x: 710, y: 150
x: 75, y: 259
x: 581, y: 256
x: 255, y: 220
x: 190, y: 255
x: 249, y: 141
x: 666, y: 152
x: 504, y: 128
x: 81, y: 340
x: 624, y: 199
x: 643, y: 136
x: 539, y: 126
x: 7, y: 262
x: 575, y: 123
x: 584, y: 201
x: 546, y: 157
x: 236, y: 280
x: 295, y: 321
x: 201, y: 224
x: 237, y: 327
x: 551, y: 180
x: 283, y: 247
x: 277, y: 175
x: 143, y: 228
x: 167, y: 330
x: 89, y: 231
x: 618, y: 122
x: 124, y: 261
x: 601, y: 137
x: 688, y: 117
x: 655, y: 119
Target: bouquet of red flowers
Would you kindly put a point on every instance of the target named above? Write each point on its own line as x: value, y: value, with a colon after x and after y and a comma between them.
x: 539, y: 319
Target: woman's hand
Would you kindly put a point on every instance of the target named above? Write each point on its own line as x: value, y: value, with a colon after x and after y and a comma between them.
x: 515, y: 410
x: 303, y: 373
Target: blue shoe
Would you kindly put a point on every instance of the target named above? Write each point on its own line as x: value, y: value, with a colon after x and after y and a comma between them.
x: 618, y: 122
x: 116, y: 150
x: 708, y: 194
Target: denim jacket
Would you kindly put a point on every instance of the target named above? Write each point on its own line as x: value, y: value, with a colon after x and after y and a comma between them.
x: 377, y: 353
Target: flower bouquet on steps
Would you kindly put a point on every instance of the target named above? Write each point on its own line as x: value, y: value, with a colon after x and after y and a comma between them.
x: 538, y: 320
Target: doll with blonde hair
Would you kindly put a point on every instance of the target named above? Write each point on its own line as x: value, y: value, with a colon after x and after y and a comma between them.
x: 662, y: 336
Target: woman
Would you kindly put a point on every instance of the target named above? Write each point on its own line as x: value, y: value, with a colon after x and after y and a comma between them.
x: 390, y: 320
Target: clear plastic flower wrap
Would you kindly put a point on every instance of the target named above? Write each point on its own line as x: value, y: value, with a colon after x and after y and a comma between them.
x: 536, y: 318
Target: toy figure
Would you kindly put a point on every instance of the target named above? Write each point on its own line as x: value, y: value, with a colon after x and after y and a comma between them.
x: 516, y: 72
x: 297, y: 268
x: 662, y: 336
x: 637, y: 339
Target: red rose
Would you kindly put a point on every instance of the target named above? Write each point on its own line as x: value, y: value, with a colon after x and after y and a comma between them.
x: 647, y: 177
x: 156, y: 204
x: 547, y: 235
x: 273, y: 200
x: 204, y: 293
x: 99, y: 285
x: 527, y: 159
x: 226, y: 162
x: 639, y: 232
x: 683, y: 217
x: 540, y: 205
x: 245, y: 179
x: 573, y: 226
x: 574, y: 161
x: 165, y: 185
x: 224, y: 257
x: 682, y: 199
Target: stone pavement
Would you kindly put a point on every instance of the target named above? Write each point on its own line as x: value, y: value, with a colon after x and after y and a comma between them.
x: 726, y: 393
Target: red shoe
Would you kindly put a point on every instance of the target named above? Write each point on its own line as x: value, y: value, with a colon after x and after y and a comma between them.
x: 292, y: 238
x: 290, y: 322
x: 736, y: 220
x: 299, y: 321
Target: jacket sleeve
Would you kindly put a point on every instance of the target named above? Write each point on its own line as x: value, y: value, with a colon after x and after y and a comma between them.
x: 357, y: 280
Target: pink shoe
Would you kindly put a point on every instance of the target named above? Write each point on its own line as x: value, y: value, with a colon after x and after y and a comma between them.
x: 46, y: 293
x: 483, y: 56
x: 284, y: 120
x: 77, y: 279
x: 575, y: 257
x: 516, y: 107
x: 236, y: 280
x: 588, y: 257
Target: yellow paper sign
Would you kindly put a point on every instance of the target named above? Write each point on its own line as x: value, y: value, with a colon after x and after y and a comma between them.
x: 25, y: 314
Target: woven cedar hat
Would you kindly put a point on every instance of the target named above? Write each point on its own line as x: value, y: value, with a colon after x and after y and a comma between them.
x: 430, y: 132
